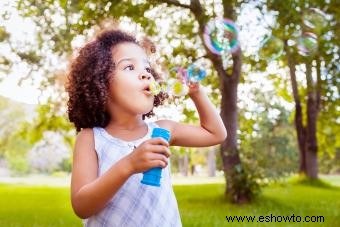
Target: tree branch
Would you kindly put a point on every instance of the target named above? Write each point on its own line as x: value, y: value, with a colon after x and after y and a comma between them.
x: 176, y: 3
x: 318, y: 84
x: 202, y: 19
x: 228, y: 9
x: 196, y: 8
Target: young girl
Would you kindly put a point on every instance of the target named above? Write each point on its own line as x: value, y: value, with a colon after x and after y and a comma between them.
x: 109, y: 98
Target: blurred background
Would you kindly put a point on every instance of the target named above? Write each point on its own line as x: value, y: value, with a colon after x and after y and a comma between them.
x: 276, y: 85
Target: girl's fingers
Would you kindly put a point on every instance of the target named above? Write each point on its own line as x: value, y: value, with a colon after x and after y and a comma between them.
x: 158, y: 163
x: 158, y: 141
x: 160, y: 149
x: 159, y: 157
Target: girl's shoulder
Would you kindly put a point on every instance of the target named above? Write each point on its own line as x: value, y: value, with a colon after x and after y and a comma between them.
x: 85, y: 134
x: 85, y: 138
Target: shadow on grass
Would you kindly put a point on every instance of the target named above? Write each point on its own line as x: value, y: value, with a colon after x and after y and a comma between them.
x: 206, y: 205
x: 202, y: 195
x: 304, y: 180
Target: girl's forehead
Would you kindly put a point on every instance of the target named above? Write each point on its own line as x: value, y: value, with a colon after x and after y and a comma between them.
x: 128, y: 50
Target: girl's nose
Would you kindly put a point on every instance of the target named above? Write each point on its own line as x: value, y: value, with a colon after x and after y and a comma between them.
x: 144, y: 76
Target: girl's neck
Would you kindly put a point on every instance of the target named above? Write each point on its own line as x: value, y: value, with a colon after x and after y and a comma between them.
x: 127, y: 130
x: 126, y: 124
x: 122, y: 119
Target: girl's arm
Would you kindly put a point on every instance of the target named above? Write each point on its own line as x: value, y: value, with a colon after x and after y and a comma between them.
x: 89, y: 194
x: 211, y: 130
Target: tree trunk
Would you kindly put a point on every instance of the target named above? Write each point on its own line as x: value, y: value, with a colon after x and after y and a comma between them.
x: 306, y: 135
x: 184, y: 164
x: 236, y: 186
x: 211, y: 162
x: 300, y: 129
x: 230, y: 155
x: 312, y: 112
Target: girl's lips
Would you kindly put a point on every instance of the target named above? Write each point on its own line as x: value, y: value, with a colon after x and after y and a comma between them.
x: 147, y: 90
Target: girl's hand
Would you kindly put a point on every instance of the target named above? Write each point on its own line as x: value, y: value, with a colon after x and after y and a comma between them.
x: 193, y: 88
x: 151, y: 153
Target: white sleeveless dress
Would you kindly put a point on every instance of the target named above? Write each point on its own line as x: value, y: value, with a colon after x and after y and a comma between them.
x: 135, y: 204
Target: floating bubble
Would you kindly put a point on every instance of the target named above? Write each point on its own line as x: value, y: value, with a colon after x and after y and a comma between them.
x: 307, y: 44
x: 195, y: 73
x: 178, y: 73
x: 155, y: 88
x: 177, y: 87
x: 164, y: 86
x: 271, y: 48
x: 221, y: 34
x: 180, y: 77
x: 314, y: 19
x: 225, y: 59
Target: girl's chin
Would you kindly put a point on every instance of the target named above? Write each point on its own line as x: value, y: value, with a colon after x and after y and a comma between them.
x: 144, y: 109
x: 142, y: 106
x: 147, y: 110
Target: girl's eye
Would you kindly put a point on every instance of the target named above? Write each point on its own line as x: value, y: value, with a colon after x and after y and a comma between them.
x: 148, y: 70
x: 129, y: 67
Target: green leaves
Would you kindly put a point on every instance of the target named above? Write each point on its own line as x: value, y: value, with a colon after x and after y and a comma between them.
x: 49, y: 118
x: 30, y: 57
x: 4, y: 35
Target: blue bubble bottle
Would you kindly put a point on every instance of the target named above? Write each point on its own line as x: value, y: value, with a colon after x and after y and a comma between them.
x: 153, y: 176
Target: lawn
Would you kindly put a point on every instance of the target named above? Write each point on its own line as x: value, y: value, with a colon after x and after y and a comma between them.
x: 200, y: 205
x: 203, y: 205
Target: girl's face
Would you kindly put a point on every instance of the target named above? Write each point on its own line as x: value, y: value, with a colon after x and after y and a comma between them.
x: 129, y: 86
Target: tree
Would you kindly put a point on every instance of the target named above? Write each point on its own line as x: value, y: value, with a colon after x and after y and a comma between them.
x: 269, y: 144
x: 12, y: 147
x: 11, y: 115
x: 320, y: 91
x: 78, y: 17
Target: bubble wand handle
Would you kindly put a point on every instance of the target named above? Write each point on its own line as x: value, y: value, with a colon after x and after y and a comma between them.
x: 153, y: 176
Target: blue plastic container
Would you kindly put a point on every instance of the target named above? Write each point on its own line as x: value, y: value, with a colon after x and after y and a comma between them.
x: 153, y: 176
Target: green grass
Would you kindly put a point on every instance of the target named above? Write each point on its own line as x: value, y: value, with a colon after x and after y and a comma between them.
x: 36, y: 206
x: 200, y: 205
x: 204, y: 205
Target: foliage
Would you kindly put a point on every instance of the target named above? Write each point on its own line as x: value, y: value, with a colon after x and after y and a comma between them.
x: 18, y: 136
x: 15, y: 154
x: 12, y: 147
x: 330, y: 162
x: 288, y: 27
x: 270, y: 145
x: 50, y: 117
x: 49, y: 154
x: 246, y: 182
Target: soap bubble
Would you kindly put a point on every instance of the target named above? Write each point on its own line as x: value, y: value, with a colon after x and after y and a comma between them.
x: 178, y: 73
x: 225, y: 58
x: 221, y: 34
x: 307, y: 44
x: 180, y: 78
x: 271, y: 48
x: 155, y: 88
x: 195, y: 73
x: 314, y: 20
x: 176, y: 84
x: 177, y: 87
x: 163, y: 86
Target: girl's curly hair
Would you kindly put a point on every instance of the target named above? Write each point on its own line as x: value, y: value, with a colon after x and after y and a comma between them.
x: 88, y: 81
